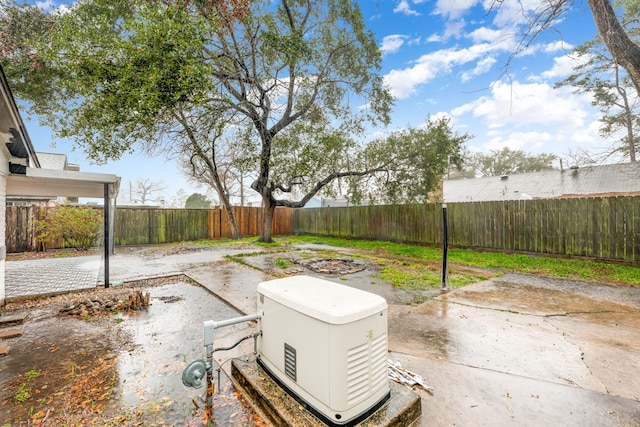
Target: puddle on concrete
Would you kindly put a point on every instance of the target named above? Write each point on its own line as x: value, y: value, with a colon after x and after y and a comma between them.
x: 164, y: 339
x: 530, y: 299
x: 137, y: 360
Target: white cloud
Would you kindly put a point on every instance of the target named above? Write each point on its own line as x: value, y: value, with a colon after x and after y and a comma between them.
x: 46, y: 5
x: 403, y: 7
x: 483, y: 66
x: 558, y: 46
x: 527, y: 141
x: 529, y: 104
x: 454, y: 9
x: 510, y: 13
x: 393, y: 42
x: 454, y: 29
x: 533, y: 117
x: 50, y: 7
x: 402, y: 83
x: 562, y: 67
x: 488, y: 35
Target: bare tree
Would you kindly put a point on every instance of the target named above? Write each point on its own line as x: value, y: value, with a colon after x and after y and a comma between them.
x: 226, y: 159
x: 177, y: 201
x: 144, y: 189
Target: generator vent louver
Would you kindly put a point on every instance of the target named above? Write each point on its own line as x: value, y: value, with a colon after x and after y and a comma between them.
x: 290, y: 361
x: 362, y: 361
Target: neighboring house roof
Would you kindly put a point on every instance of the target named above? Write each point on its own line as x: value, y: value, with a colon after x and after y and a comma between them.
x: 53, y: 161
x: 604, y: 180
x: 325, y: 202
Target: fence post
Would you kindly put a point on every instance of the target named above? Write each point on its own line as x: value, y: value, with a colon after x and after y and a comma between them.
x: 106, y: 235
x: 445, y: 249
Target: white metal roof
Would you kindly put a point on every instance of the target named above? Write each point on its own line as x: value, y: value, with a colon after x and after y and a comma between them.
x: 61, y: 183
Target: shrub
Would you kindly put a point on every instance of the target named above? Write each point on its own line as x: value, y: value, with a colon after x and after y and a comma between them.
x: 79, y: 227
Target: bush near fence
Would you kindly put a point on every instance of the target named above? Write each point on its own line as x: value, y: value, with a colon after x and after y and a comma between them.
x: 141, y: 226
x: 605, y: 228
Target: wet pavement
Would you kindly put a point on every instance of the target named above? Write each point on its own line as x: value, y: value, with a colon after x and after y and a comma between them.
x: 50, y: 276
x: 511, y: 350
x: 123, y: 366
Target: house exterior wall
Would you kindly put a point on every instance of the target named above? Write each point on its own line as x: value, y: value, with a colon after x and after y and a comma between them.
x: 4, y: 171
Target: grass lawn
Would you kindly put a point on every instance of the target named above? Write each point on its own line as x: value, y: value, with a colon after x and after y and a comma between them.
x: 580, y: 269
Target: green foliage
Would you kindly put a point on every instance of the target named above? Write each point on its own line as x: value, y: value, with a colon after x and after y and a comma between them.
x: 32, y: 374
x: 282, y: 263
x: 410, y: 163
x: 79, y: 227
x: 128, y: 73
x: 30, y: 76
x: 23, y: 394
x: 416, y: 276
x: 197, y: 201
x: 507, y: 161
x: 24, y: 390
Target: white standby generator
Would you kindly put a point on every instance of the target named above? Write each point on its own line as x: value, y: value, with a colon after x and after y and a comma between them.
x: 326, y: 345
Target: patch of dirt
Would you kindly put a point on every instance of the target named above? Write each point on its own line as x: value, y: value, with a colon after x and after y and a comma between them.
x: 52, y: 253
x: 58, y: 302
x: 338, y: 266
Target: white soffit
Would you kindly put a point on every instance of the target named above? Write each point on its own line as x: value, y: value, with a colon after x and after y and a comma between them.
x: 61, y: 183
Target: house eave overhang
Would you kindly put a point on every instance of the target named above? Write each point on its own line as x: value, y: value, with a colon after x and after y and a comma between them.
x: 13, y: 133
x: 61, y: 183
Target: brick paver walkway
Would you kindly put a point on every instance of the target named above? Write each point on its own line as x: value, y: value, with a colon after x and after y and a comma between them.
x: 50, y: 276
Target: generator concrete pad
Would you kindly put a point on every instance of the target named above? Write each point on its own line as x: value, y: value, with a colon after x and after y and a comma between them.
x: 278, y: 408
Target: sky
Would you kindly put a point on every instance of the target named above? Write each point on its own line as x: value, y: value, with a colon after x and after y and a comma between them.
x: 442, y: 57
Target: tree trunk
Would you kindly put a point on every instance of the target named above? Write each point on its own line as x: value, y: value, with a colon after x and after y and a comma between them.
x: 622, y: 48
x: 268, y: 212
x: 235, y: 230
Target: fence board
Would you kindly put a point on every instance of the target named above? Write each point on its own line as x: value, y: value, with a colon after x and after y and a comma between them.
x: 605, y: 228
x: 140, y: 226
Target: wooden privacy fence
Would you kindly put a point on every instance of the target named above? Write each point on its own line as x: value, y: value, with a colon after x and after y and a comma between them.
x: 603, y: 228
x: 140, y: 226
x: 20, y: 231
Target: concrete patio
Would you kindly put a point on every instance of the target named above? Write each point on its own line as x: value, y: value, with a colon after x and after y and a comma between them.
x: 513, y: 350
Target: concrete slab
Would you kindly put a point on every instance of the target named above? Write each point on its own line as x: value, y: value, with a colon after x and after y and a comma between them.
x: 469, y: 396
x: 279, y: 409
x: 514, y: 350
